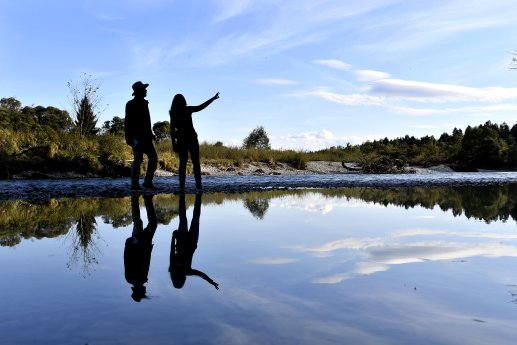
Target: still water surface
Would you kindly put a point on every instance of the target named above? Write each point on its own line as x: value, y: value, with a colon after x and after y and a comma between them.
x: 351, y: 265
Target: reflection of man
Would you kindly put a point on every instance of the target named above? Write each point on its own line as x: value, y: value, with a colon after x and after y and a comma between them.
x: 139, y: 135
x: 138, y: 248
x: 183, y: 245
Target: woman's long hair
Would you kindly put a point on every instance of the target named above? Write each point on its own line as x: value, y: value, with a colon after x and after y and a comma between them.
x: 178, y: 104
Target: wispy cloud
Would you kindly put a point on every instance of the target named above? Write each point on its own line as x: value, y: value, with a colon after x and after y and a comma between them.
x: 231, y: 9
x: 408, y: 96
x: 430, y: 24
x: 273, y: 261
x: 369, y: 75
x: 274, y: 81
x: 346, y: 99
x: 458, y: 110
x: 332, y: 63
x: 433, y: 92
x: 425, y: 126
x: 348, y: 243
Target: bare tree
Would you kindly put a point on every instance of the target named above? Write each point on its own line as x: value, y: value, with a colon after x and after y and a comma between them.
x: 86, y: 104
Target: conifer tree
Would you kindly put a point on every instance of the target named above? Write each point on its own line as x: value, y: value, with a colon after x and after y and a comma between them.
x: 86, y: 101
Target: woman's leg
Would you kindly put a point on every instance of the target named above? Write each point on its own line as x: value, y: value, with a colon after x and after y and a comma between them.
x: 183, y: 155
x: 194, y: 155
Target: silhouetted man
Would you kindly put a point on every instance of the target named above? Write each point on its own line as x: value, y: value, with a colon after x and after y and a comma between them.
x: 139, y: 135
x: 183, y: 245
x: 138, y: 248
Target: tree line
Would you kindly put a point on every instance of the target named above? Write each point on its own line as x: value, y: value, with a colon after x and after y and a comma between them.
x: 486, y: 146
x: 48, y: 139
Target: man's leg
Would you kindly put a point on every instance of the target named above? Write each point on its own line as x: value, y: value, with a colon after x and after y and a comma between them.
x: 138, y: 157
x: 152, y: 163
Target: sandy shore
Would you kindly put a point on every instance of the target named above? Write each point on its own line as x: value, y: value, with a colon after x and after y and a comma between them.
x: 313, y: 168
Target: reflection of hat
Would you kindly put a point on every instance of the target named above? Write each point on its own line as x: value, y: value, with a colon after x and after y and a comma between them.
x: 139, y: 86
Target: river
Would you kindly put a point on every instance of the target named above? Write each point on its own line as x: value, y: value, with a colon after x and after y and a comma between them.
x: 433, y: 264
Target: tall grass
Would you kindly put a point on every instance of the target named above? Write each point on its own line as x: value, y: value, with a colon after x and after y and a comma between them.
x: 108, y: 154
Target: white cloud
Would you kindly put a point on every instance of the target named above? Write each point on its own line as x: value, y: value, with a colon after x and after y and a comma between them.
x: 459, y: 110
x: 433, y: 92
x: 368, y: 75
x: 425, y: 126
x: 312, y: 202
x: 377, y: 257
x: 273, y: 261
x: 350, y: 99
x: 348, y: 243
x: 465, y: 234
x: 230, y: 9
x: 333, y: 279
x: 336, y: 64
x: 274, y: 81
x: 377, y: 254
x: 316, y: 140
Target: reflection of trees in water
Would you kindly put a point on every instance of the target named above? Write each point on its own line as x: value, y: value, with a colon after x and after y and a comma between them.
x: 488, y: 203
x: 10, y: 240
x: 84, y: 246
x: 24, y: 220
x: 257, y: 206
x: 118, y: 221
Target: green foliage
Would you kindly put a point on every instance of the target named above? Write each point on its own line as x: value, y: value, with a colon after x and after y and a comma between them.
x: 115, y: 126
x: 257, y: 139
x: 218, y: 153
x: 482, y: 147
x: 10, y: 103
x: 162, y: 130
x: 167, y: 159
x: 52, y: 117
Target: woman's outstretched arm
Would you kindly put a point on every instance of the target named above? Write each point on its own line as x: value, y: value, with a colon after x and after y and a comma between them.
x: 194, y: 272
x: 202, y: 106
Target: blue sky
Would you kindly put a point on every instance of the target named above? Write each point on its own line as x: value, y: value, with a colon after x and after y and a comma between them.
x: 314, y: 73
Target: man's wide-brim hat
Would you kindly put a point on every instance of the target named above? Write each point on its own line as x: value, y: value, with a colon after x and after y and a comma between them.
x: 138, y: 86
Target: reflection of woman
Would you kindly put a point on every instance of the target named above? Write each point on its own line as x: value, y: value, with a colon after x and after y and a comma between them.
x: 183, y: 246
x: 138, y: 248
x: 184, y: 136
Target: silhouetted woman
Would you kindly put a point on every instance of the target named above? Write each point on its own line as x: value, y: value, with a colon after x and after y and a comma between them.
x: 183, y: 246
x: 184, y: 136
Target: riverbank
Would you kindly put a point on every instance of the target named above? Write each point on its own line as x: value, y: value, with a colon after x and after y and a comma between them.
x: 45, y: 189
x: 313, y: 168
x: 248, y: 169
